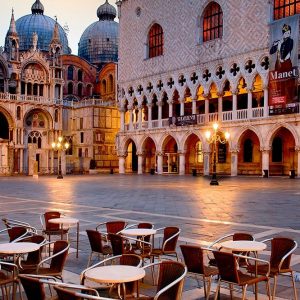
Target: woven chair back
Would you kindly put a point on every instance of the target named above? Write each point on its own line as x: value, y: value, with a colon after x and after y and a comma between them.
x: 193, y: 258
x: 58, y: 262
x: 51, y: 215
x: 33, y: 288
x: 171, y: 244
x: 16, y: 232
x: 95, y: 240
x: 280, y: 246
x: 115, y: 226
x: 169, y: 271
x: 227, y: 265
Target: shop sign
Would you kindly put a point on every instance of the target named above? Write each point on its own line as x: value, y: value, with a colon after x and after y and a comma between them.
x: 183, y: 120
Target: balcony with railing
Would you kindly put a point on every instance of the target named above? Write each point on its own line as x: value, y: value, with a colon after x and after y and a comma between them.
x: 17, y: 98
x: 202, y: 119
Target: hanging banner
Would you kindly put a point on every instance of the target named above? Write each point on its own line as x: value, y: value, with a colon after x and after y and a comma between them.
x: 283, y: 75
x: 183, y: 120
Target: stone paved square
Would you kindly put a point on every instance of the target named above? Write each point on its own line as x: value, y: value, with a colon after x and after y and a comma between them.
x: 265, y: 207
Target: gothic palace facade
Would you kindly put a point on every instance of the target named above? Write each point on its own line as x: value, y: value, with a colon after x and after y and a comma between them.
x: 46, y: 92
x: 184, y: 65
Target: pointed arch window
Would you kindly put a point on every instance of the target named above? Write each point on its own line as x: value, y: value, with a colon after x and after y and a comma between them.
x: 248, y: 150
x: 212, y: 22
x: 277, y: 150
x: 156, y: 41
x: 286, y: 8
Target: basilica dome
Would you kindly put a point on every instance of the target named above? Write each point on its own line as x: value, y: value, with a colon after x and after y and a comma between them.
x: 43, y: 26
x: 99, y: 42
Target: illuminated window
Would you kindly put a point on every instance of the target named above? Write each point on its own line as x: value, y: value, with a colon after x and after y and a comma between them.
x: 156, y: 41
x: 286, y: 8
x: 199, y: 152
x: 212, y: 22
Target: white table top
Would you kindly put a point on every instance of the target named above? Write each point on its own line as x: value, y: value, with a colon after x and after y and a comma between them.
x: 115, y: 274
x: 18, y: 248
x: 243, y: 246
x: 138, y: 231
x: 64, y: 220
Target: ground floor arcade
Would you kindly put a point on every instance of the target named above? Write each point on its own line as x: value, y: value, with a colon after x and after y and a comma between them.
x: 252, y: 150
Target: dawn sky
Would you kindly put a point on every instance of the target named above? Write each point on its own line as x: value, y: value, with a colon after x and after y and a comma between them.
x: 77, y: 14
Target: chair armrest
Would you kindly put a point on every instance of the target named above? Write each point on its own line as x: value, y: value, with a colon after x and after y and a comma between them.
x: 130, y: 226
x: 51, y: 256
x: 220, y: 239
x: 170, y: 285
x: 170, y: 238
x: 100, y: 224
x: 256, y: 260
x: 287, y: 255
x: 43, y: 278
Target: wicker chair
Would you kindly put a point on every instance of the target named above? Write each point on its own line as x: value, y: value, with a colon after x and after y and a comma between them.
x: 95, y: 239
x: 111, y: 227
x: 280, y: 261
x: 64, y: 293
x: 169, y: 243
x: 8, y: 278
x: 34, y: 287
x: 119, y: 244
x: 230, y: 273
x: 50, y: 229
x: 170, y: 281
x: 56, y: 261
x: 33, y: 258
x: 12, y: 223
x: 194, y: 259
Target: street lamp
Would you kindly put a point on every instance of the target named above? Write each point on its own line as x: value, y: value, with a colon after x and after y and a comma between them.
x: 213, y: 138
x: 60, y: 146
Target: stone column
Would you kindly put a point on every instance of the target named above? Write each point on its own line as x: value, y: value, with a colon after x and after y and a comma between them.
x: 265, y: 159
x: 234, y: 162
x: 206, y: 109
x: 194, y: 108
x: 181, y: 163
x: 149, y: 115
x: 220, y: 97
x: 234, y: 106
x: 159, y: 163
x: 297, y: 149
x: 249, y: 108
x: 130, y: 110
x: 170, y: 102
x: 122, y: 118
x: 140, y: 125
x: 140, y: 162
x: 266, y: 102
x: 206, y: 162
x: 122, y: 158
x: 181, y: 101
x: 160, y: 104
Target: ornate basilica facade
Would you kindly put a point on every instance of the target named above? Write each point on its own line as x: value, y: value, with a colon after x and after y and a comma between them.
x: 46, y: 92
x: 193, y: 63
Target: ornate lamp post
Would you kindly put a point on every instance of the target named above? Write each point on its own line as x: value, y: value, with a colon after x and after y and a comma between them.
x: 60, y: 146
x: 213, y: 138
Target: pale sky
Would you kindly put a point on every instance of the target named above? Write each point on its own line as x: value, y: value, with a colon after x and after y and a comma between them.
x: 77, y: 14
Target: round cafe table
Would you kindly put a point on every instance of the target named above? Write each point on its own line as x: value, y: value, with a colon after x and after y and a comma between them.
x: 67, y: 222
x: 245, y: 246
x: 138, y: 231
x: 119, y: 274
x: 16, y: 249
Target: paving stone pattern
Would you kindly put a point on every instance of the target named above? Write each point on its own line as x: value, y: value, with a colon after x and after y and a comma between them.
x: 265, y: 207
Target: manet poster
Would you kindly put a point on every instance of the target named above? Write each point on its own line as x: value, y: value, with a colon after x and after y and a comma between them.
x: 283, y: 76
